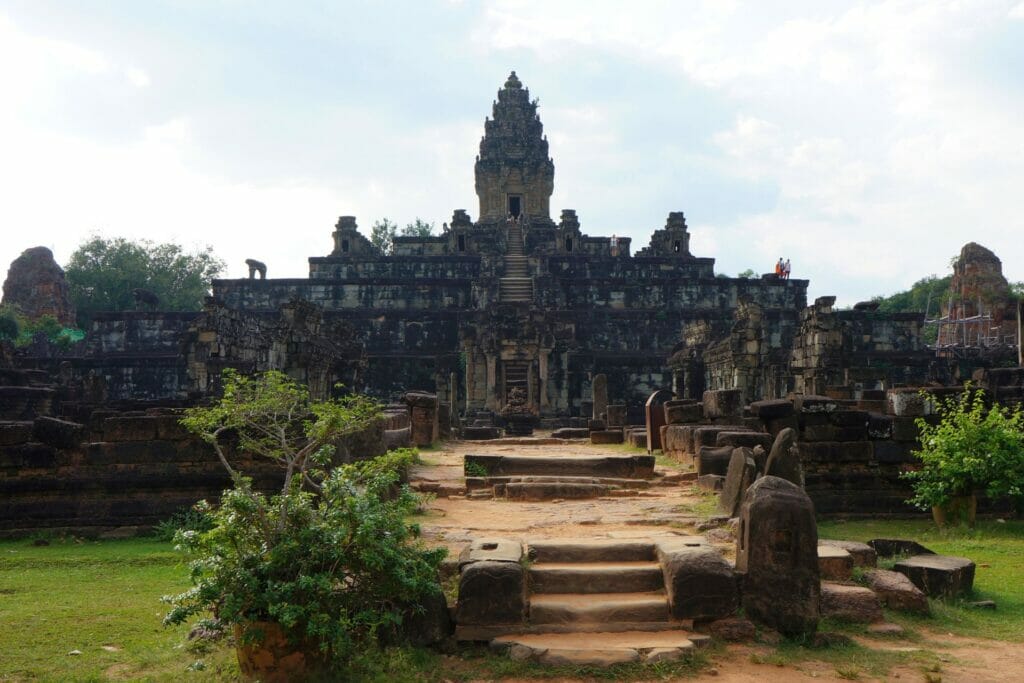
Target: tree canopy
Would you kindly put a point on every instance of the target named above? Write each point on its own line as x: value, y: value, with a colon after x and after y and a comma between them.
x: 382, y: 235
x: 418, y: 228
x: 931, y: 290
x: 103, y: 272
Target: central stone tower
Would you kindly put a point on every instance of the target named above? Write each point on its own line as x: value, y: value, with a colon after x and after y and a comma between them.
x: 514, y: 174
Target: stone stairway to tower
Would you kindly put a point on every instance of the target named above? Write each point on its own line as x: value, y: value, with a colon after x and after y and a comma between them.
x: 517, y: 285
x: 593, y: 601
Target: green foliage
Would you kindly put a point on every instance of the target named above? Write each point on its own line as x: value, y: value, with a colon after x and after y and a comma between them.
x: 973, y: 448
x: 931, y: 290
x: 196, y: 519
x: 382, y: 235
x: 333, y: 567
x: 331, y: 557
x: 273, y: 416
x: 20, y: 330
x: 103, y: 272
x: 747, y: 274
x: 418, y: 228
x: 10, y: 324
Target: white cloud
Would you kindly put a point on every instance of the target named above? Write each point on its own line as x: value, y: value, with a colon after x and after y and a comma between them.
x: 137, y: 77
x: 1017, y: 12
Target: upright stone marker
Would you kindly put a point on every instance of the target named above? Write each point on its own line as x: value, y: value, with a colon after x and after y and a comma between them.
x: 784, y: 458
x: 740, y: 475
x: 777, y: 552
x: 600, y: 391
x: 423, y: 415
x: 654, y: 416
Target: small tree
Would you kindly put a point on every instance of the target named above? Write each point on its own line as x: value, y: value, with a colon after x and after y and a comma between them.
x: 973, y: 448
x: 330, y: 559
x: 418, y: 228
x: 747, y: 274
x: 382, y: 235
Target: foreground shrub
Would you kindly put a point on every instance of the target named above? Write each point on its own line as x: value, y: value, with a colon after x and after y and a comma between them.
x: 330, y: 558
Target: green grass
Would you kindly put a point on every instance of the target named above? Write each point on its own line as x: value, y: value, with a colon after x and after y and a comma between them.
x: 87, y: 597
x: 997, y: 549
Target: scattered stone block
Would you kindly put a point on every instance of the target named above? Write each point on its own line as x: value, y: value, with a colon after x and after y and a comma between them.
x: 699, y: 582
x: 939, y: 576
x: 571, y: 433
x: 892, y: 547
x: 493, y: 590
x: 776, y: 554
x: 850, y: 603
x: 772, y: 409
x: 682, y: 412
x: 607, y: 437
x: 896, y: 591
x: 733, y: 630
x: 480, y: 433
x: 835, y: 564
x: 713, y: 460
x: 398, y: 438
x: 863, y: 555
x: 727, y: 403
x: 745, y: 439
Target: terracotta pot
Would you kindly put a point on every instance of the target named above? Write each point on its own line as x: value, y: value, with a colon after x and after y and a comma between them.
x: 271, y: 658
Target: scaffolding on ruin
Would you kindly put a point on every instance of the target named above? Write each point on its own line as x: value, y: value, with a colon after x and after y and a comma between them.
x: 969, y: 336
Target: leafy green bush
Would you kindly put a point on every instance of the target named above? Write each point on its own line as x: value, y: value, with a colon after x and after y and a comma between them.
x: 330, y: 558
x: 974, y: 448
x: 332, y: 567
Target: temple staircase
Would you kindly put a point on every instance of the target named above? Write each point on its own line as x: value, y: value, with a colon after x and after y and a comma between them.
x: 593, y: 602
x: 517, y: 285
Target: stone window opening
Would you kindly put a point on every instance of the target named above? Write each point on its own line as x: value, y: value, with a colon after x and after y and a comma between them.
x: 568, y: 244
x: 677, y: 246
x: 344, y: 246
x: 462, y: 243
x: 515, y: 205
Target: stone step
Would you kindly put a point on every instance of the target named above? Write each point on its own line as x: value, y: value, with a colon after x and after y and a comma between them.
x: 484, y: 482
x: 590, y: 551
x: 597, y: 577
x: 593, y: 608
x: 537, y: 491
x: 616, y: 466
x: 600, y: 649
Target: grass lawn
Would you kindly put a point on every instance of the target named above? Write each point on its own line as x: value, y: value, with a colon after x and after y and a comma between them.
x: 99, y: 598
x: 996, y: 547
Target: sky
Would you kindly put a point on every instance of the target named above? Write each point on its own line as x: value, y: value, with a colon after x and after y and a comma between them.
x: 865, y: 141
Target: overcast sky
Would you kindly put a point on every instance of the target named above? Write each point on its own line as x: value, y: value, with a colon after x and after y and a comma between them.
x: 865, y: 141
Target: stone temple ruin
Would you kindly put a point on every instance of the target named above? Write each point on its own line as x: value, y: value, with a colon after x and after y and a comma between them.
x: 515, y: 321
x: 514, y: 314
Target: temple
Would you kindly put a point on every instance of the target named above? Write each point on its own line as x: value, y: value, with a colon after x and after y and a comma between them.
x: 515, y: 299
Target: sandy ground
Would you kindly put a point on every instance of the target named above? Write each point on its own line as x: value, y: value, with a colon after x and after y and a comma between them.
x: 453, y: 520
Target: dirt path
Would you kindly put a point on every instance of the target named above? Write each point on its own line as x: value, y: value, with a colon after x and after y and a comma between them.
x: 454, y: 520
